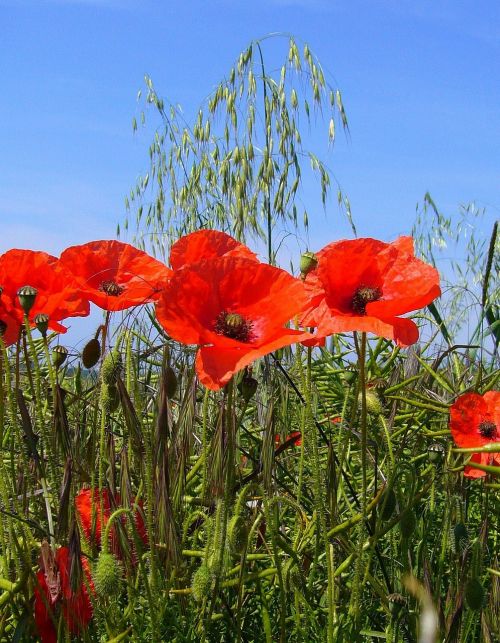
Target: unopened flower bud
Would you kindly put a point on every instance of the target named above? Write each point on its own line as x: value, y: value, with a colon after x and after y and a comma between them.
x: 27, y: 296
x: 91, y: 353
x: 107, y: 575
x: 248, y: 387
x: 474, y: 594
x: 170, y: 382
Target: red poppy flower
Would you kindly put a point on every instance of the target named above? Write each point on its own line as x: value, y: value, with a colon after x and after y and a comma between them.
x: 206, y: 244
x: 115, y: 275
x: 57, y: 295
x: 475, y: 422
x: 83, y: 503
x: 234, y: 309
x: 9, y: 325
x: 57, y: 593
x: 365, y: 284
x: 295, y: 438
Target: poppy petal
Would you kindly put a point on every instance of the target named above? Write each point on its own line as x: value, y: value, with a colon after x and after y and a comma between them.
x: 206, y: 244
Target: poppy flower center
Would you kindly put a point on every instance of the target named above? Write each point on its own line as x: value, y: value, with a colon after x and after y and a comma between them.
x: 111, y: 288
x: 234, y: 326
x: 3, y: 327
x: 364, y: 295
x: 488, y: 430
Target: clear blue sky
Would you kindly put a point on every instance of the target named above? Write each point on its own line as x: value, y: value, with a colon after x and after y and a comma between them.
x: 420, y: 80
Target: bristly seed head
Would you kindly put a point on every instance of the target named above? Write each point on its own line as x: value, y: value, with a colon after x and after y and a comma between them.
x: 488, y: 430
x: 234, y: 326
x: 364, y: 295
x: 111, y: 288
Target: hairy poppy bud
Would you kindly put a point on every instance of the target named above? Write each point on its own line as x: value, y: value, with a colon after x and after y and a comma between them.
x: 474, y: 594
x: 42, y: 323
x: 436, y: 453
x: 27, y: 296
x: 408, y: 523
x: 170, y: 382
x: 201, y: 585
x: 248, y: 387
x: 459, y: 538
x: 111, y: 367
x: 59, y: 355
x: 110, y: 398
x: 107, y: 575
x: 91, y: 353
x: 308, y: 262
x: 237, y: 533
x: 373, y: 403
x: 387, y: 504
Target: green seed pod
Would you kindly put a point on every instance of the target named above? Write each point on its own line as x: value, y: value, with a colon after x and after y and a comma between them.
x: 111, y: 367
x: 27, y: 296
x: 459, y: 538
x: 474, y: 594
x: 170, y: 381
x: 408, y: 523
x: 91, y: 353
x: 248, y: 387
x: 237, y: 534
x: 59, y: 355
x: 436, y: 453
x: 308, y: 262
x: 42, y: 323
x: 396, y: 603
x: 201, y: 585
x: 387, y: 504
x: 107, y: 575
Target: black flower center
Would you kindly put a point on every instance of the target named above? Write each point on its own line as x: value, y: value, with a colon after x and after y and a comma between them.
x: 234, y: 326
x: 3, y: 327
x: 488, y: 430
x: 111, y: 288
x: 364, y: 295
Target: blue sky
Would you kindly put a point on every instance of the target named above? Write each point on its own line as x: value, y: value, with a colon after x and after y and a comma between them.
x: 420, y: 82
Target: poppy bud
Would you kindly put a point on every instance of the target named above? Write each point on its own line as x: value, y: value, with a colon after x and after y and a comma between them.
x: 59, y: 355
x: 91, y: 353
x: 408, y: 523
x: 110, y: 398
x: 387, y: 504
x: 459, y: 538
x: 170, y: 382
x: 308, y: 262
x: 107, y: 575
x: 27, y: 296
x: 436, y: 453
x: 248, y: 387
x: 111, y: 367
x: 201, y: 585
x: 396, y: 603
x: 237, y: 533
x: 42, y: 323
x: 373, y: 403
x: 474, y: 594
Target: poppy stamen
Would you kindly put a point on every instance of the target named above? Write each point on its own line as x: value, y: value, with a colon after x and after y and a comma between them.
x: 234, y: 326
x: 364, y: 295
x: 488, y: 430
x: 111, y: 288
